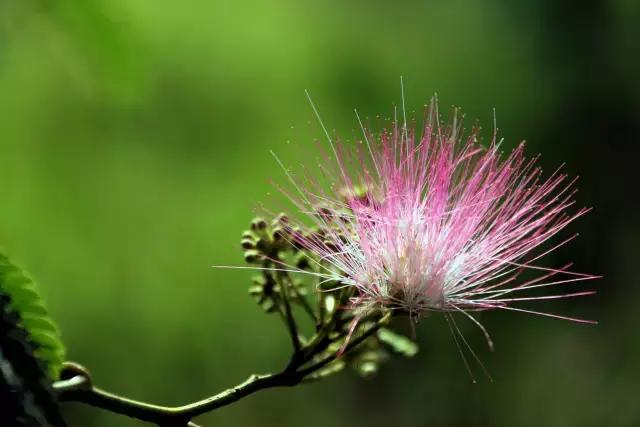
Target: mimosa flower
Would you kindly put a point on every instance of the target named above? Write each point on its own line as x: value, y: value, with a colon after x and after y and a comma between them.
x: 436, y: 222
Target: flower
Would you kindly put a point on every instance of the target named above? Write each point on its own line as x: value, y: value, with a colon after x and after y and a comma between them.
x: 435, y: 222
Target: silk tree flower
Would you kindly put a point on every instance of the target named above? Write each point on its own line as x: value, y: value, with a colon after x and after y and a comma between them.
x: 435, y: 222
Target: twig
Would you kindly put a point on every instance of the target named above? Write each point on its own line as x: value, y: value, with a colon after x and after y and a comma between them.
x: 77, y: 387
x: 289, y: 320
x: 352, y: 344
x: 305, y: 304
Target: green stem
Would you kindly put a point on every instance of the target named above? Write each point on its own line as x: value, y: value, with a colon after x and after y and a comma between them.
x: 305, y: 305
x: 78, y: 388
x: 352, y: 344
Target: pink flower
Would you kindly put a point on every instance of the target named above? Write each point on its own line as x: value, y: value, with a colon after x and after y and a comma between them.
x: 435, y: 222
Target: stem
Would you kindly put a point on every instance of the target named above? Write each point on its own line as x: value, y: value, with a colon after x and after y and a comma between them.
x: 78, y: 388
x: 352, y: 344
x: 305, y: 305
x: 289, y: 320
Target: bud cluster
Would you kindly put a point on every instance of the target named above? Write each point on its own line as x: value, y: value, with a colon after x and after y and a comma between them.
x: 277, y: 249
x: 267, y: 244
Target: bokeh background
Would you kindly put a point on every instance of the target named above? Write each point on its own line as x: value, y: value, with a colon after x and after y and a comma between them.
x: 134, y: 147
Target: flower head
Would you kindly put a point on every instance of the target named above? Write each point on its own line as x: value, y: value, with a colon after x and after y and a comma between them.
x: 434, y: 222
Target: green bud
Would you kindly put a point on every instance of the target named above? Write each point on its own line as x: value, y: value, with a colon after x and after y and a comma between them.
x: 259, y: 280
x: 248, y: 244
x: 268, y: 305
x: 258, y: 224
x: 255, y: 290
x: 278, y: 234
x: 368, y: 369
x: 282, y: 219
x: 262, y: 245
x: 303, y: 262
x: 252, y: 255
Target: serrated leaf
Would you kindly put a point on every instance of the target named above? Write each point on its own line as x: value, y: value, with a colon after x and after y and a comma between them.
x: 28, y: 305
x: 397, y: 343
x: 35, y: 321
x: 25, y: 387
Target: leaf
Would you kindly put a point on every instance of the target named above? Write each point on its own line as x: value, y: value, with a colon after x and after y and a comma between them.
x: 25, y: 386
x: 397, y: 343
x: 24, y: 299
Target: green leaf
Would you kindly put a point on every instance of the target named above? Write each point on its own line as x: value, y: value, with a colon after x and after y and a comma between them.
x: 29, y: 307
x: 25, y: 387
x: 397, y: 343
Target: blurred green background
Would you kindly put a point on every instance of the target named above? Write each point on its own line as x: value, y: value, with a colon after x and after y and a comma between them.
x: 134, y: 148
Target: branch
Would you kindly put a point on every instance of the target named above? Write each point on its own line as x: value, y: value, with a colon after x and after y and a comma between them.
x: 76, y: 386
x: 306, y: 306
x: 79, y: 389
x: 352, y: 344
x: 289, y: 320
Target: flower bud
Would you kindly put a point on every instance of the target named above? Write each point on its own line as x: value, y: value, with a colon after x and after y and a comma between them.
x: 258, y: 224
x: 282, y: 219
x: 303, y: 262
x: 278, y: 234
x: 252, y: 255
x: 248, y: 244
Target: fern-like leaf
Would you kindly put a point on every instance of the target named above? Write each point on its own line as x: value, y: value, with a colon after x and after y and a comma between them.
x: 24, y: 299
x: 26, y: 395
